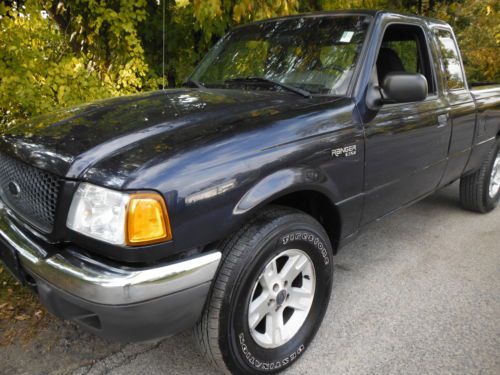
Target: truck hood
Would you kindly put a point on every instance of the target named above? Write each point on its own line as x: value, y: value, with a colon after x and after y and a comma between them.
x: 69, y: 142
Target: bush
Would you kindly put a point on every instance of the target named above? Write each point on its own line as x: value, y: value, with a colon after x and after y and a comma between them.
x: 39, y: 72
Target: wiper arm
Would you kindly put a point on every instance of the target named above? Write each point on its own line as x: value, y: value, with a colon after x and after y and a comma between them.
x: 294, y: 89
x: 193, y: 83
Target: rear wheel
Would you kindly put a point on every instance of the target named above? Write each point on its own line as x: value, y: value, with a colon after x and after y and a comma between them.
x: 480, y: 191
x: 270, y: 295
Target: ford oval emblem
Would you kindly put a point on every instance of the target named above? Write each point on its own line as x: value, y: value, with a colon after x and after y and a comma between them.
x: 14, y: 188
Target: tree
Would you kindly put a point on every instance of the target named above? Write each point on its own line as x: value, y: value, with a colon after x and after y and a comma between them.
x: 477, y: 27
x: 39, y: 72
x: 55, y: 53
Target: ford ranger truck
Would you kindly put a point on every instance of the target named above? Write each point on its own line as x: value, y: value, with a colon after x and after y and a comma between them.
x: 219, y: 205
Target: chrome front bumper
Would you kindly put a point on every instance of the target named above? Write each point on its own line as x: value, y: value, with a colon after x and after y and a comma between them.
x: 102, y: 283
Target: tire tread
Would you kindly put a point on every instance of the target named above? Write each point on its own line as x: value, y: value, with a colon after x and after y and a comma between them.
x: 474, y: 187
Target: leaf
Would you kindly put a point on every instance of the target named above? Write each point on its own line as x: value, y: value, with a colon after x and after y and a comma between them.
x: 181, y: 3
x: 22, y: 317
x: 38, y: 314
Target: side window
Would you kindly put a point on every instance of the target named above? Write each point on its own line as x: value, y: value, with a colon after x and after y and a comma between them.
x: 407, y: 51
x: 404, y: 49
x: 451, y: 60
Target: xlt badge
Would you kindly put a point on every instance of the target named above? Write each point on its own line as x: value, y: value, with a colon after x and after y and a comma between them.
x: 345, y: 151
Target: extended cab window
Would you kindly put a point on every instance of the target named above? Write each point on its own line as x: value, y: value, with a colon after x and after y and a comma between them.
x: 404, y: 49
x: 451, y: 60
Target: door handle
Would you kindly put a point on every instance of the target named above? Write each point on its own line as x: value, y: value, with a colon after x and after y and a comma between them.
x: 442, y: 120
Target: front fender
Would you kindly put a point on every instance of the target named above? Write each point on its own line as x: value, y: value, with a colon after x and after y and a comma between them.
x: 281, y: 183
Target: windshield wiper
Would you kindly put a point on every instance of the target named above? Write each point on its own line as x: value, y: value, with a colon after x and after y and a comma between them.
x: 294, y: 89
x: 193, y: 83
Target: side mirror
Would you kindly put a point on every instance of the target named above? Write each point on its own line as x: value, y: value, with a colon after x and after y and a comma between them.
x: 401, y: 87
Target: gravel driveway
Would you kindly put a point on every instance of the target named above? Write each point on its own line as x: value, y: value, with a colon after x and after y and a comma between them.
x: 417, y: 293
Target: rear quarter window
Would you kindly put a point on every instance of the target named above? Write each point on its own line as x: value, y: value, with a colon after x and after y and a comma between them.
x: 451, y: 60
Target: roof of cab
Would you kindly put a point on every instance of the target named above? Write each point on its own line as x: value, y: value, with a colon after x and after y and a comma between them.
x: 367, y: 12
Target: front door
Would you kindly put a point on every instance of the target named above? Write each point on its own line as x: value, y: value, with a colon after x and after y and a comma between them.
x: 406, y: 144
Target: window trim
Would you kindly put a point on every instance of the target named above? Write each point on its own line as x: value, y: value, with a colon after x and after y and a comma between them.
x: 447, y: 89
x: 411, y: 23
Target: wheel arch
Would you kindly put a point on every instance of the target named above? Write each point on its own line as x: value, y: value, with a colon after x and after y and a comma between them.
x: 317, y: 205
x: 303, y: 189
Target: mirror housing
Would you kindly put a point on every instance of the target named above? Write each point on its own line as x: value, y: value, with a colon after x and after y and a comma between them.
x: 402, y: 87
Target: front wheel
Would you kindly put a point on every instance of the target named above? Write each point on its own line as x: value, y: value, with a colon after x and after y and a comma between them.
x: 270, y: 295
x: 480, y: 191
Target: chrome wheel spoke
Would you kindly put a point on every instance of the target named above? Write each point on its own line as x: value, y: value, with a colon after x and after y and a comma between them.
x: 293, y: 267
x: 278, y: 328
x: 299, y: 299
x: 259, y: 308
x: 269, y: 276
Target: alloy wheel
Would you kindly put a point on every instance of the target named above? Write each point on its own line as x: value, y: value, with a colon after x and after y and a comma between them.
x: 282, y: 298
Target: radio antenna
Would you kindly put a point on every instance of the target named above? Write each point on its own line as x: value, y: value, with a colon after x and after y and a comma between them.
x: 163, y: 49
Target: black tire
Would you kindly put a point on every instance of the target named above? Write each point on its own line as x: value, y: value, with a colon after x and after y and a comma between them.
x: 223, y: 331
x: 474, y: 188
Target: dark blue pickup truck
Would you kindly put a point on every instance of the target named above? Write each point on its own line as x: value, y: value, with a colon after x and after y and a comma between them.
x: 220, y: 205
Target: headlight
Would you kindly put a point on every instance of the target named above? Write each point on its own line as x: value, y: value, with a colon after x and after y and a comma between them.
x: 119, y: 218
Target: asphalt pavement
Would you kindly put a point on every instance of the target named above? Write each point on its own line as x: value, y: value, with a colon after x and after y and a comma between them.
x: 416, y: 293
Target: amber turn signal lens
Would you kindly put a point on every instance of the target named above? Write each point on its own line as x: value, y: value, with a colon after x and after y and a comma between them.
x: 147, y: 220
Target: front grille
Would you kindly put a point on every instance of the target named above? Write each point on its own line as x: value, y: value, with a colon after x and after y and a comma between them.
x: 30, y: 192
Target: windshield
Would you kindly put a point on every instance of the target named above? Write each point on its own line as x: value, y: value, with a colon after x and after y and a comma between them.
x: 315, y: 54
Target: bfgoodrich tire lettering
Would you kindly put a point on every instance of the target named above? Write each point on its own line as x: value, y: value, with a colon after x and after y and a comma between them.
x: 223, y: 333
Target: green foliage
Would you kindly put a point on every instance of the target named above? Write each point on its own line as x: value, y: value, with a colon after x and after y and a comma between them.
x: 106, y: 33
x: 57, y: 53
x: 38, y: 71
x: 407, y: 51
x: 353, y: 4
x: 477, y: 27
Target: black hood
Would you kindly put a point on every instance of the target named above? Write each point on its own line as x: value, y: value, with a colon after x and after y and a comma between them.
x: 69, y: 142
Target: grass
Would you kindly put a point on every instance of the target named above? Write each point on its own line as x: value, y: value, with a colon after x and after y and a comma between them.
x: 21, y: 316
